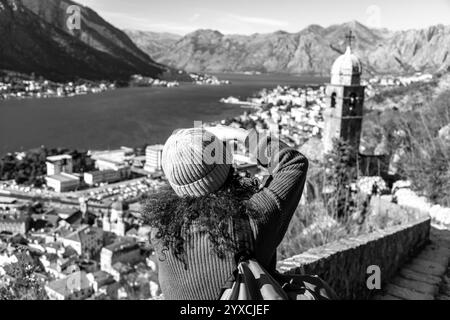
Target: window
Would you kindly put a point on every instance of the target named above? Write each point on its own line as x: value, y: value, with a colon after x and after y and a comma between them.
x: 352, y: 103
x: 333, y: 100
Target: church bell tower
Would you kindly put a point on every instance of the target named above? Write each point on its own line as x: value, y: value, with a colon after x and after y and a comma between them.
x: 345, y: 99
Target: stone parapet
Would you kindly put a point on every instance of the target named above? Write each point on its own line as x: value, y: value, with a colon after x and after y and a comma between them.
x: 344, y: 263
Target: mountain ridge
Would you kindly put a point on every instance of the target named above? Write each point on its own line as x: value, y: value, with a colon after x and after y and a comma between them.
x: 35, y: 39
x: 311, y: 50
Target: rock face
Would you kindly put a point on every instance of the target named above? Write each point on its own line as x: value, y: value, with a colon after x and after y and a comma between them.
x: 35, y: 38
x: 310, y: 51
x: 153, y: 43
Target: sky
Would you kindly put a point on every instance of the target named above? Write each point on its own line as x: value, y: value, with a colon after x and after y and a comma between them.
x: 263, y: 16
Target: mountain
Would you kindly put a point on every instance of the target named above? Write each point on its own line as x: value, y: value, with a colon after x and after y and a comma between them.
x: 34, y: 38
x: 310, y: 51
x: 154, y: 43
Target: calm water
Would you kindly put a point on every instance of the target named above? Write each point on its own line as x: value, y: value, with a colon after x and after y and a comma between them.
x: 130, y: 116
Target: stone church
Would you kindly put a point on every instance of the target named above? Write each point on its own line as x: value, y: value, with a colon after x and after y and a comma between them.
x: 345, y: 111
x: 345, y: 100
x: 343, y: 118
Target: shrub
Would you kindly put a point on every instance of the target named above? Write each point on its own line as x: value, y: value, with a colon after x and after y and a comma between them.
x: 426, y: 160
x: 24, y: 283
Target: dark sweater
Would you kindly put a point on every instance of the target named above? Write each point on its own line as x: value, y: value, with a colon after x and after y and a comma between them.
x: 276, y: 200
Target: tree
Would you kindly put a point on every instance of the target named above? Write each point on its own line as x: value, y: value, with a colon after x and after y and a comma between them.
x: 24, y: 283
x: 340, y: 173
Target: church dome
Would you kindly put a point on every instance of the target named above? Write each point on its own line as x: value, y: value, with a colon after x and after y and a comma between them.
x: 347, y: 69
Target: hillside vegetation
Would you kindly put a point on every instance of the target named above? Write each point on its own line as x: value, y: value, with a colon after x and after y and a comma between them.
x: 414, y: 123
x: 35, y: 39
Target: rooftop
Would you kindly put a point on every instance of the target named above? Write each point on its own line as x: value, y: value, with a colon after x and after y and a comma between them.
x: 74, y: 282
x: 101, y: 276
x: 122, y: 268
x: 111, y: 161
x: 6, y: 200
x: 100, y: 172
x: 59, y: 158
x: 125, y: 244
x: 64, y: 210
x: 63, y: 177
x: 54, y: 245
x: 13, y: 218
x: 119, y: 206
x: 156, y: 147
x: 80, y: 232
x: 118, y: 156
x: 50, y: 218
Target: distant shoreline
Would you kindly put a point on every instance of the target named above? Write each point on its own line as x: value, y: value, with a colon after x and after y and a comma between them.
x: 126, y: 116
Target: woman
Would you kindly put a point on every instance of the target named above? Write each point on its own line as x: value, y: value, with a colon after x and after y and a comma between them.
x: 210, y: 213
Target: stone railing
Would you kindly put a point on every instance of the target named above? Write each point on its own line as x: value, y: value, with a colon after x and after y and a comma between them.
x: 344, y: 264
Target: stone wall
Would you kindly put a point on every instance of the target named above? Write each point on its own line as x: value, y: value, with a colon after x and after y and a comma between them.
x: 383, y: 212
x: 343, y: 264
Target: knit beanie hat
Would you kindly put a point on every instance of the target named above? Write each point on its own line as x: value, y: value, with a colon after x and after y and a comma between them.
x: 196, y: 162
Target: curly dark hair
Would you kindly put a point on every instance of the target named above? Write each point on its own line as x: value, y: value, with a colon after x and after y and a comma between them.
x: 173, y: 216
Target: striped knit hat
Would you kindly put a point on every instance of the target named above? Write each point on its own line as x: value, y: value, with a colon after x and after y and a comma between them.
x: 195, y: 162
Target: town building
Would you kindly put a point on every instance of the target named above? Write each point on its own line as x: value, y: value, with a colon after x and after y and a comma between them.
x: 120, y: 156
x: 114, y: 220
x: 63, y: 182
x: 109, y: 169
x: 62, y: 212
x: 125, y: 251
x: 56, y: 248
x: 76, y: 286
x: 15, y: 223
x: 100, y: 279
x: 153, y: 158
x: 343, y: 114
x: 84, y: 205
x: 345, y: 98
x: 86, y: 240
x: 107, y: 164
x: 57, y: 264
x: 139, y: 161
x: 104, y: 176
x: 9, y: 204
x: 59, y: 164
x: 119, y: 270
